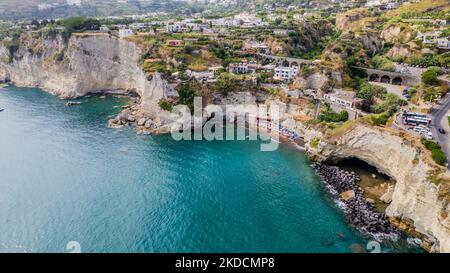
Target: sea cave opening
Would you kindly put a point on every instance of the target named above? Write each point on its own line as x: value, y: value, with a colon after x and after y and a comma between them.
x: 376, y: 186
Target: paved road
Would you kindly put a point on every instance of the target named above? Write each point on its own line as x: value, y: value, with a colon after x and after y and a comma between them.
x: 439, y: 120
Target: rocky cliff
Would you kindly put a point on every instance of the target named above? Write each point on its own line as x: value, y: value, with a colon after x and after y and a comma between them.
x: 421, y: 195
x: 87, y: 63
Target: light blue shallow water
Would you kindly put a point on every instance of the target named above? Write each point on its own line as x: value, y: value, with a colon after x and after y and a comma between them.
x: 65, y: 176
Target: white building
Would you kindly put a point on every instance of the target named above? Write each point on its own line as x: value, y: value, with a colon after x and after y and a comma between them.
x: 443, y: 43
x: 243, y: 67
x: 104, y: 28
x: 285, y: 73
x: 175, y: 28
x: 281, y: 32
x: 429, y: 37
x: 340, y: 97
x: 44, y: 6
x: 373, y: 3
x: 440, y: 22
x: 392, y: 5
x: 201, y: 76
x: 125, y: 32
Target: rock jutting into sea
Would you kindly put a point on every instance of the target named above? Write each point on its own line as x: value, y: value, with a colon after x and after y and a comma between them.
x: 345, y: 188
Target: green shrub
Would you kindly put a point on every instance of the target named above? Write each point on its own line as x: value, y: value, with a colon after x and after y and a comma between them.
x: 383, y: 63
x: 436, y: 151
x: 389, y: 105
x: 314, y: 143
x: 379, y: 120
x: 426, y: 61
x: 165, y: 105
x: 430, y: 76
x: 439, y: 157
x: 187, y: 92
x: 430, y: 145
x: 333, y: 117
x: 59, y: 56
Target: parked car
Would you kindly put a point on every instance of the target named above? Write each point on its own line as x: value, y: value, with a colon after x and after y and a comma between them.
x: 442, y: 131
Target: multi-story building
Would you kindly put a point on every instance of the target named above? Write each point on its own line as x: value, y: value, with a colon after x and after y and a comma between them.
x: 285, y: 73
x: 243, y: 67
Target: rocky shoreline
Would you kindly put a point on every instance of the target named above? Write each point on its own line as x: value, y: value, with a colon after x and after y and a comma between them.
x: 345, y: 188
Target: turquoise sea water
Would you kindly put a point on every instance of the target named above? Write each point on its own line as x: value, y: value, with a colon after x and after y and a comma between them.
x: 65, y: 176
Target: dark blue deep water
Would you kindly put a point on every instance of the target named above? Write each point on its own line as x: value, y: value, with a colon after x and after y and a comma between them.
x: 65, y: 176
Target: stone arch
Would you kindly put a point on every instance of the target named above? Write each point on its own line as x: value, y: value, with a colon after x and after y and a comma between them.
x: 285, y: 63
x: 294, y: 63
x: 385, y: 79
x: 374, y: 77
x: 397, y: 81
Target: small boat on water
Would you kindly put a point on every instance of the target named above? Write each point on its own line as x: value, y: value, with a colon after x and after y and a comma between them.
x: 2, y: 109
x: 72, y: 103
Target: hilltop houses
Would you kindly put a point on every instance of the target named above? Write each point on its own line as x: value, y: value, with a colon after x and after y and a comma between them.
x: 243, y: 20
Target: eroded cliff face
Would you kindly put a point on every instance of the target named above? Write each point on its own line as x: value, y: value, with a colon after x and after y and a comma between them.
x: 421, y: 193
x: 84, y: 64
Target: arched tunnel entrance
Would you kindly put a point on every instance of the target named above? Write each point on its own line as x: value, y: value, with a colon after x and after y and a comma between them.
x: 376, y: 186
x: 374, y: 78
x: 397, y: 81
x: 385, y: 79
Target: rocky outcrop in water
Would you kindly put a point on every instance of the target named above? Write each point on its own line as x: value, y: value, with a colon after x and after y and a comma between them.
x: 144, y: 114
x: 345, y: 187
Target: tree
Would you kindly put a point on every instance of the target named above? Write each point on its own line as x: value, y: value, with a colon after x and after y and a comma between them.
x: 186, y: 94
x: 436, y: 151
x: 438, y: 156
x: 331, y: 116
x: 225, y: 83
x: 430, y: 76
x: 368, y: 93
x: 389, y: 105
x: 35, y: 23
x: 278, y: 21
x: 383, y: 63
x: 91, y: 24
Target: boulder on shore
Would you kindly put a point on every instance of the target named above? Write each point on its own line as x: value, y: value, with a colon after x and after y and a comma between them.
x: 141, y: 122
x: 347, y: 195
